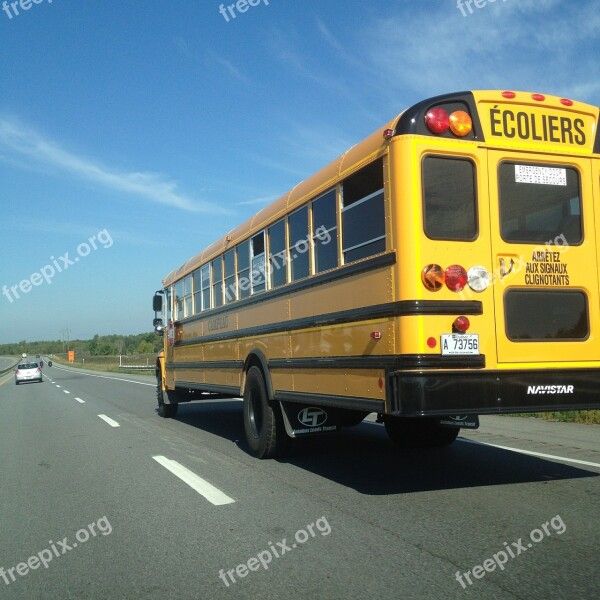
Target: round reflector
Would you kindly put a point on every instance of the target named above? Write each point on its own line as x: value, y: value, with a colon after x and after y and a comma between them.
x: 437, y: 120
x: 455, y: 278
x: 461, y: 324
x: 432, y: 277
x: 460, y: 123
x: 479, y: 278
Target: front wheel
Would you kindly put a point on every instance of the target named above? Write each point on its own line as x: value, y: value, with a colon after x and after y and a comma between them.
x: 165, y: 410
x: 263, y: 422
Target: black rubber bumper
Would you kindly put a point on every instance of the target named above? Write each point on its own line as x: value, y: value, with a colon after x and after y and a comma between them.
x: 493, y: 392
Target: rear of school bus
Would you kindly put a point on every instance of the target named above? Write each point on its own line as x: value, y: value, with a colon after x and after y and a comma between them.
x: 496, y: 198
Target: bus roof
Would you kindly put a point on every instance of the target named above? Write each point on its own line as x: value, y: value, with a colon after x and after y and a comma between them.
x: 320, y: 182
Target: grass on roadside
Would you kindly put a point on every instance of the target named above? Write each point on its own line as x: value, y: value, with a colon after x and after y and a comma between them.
x: 589, y: 417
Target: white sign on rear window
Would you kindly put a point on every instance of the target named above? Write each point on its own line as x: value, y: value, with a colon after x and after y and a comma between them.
x: 543, y: 175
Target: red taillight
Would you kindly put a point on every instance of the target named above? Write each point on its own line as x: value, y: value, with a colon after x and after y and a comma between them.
x: 431, y: 342
x: 508, y: 95
x: 455, y: 278
x: 38, y: 370
x: 437, y: 120
x: 18, y: 372
x: 461, y: 324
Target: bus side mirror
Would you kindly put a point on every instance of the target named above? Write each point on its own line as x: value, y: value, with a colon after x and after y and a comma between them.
x: 157, y: 303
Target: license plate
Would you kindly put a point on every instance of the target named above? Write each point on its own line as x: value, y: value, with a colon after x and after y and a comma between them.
x: 460, y: 343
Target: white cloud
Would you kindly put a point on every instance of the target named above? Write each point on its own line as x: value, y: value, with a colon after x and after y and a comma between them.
x: 537, y: 45
x: 41, y: 152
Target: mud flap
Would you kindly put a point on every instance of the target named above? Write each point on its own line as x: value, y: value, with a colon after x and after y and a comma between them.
x: 302, y: 420
x: 462, y: 421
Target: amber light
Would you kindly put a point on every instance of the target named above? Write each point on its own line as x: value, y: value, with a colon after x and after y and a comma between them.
x: 460, y: 123
x: 432, y: 277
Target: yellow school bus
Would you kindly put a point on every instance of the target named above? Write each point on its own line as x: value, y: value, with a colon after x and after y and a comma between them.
x: 443, y: 268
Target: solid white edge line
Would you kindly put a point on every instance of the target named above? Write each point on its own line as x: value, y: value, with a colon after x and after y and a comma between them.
x: 531, y: 453
x: 109, y: 421
x: 105, y: 377
x: 80, y: 400
x: 210, y: 492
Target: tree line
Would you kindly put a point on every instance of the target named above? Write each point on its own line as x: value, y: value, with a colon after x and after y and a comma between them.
x: 99, y: 345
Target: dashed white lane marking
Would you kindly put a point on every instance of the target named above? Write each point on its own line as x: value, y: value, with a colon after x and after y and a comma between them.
x: 539, y: 454
x: 213, y: 494
x: 80, y: 400
x: 57, y: 385
x: 109, y: 421
x: 66, y: 391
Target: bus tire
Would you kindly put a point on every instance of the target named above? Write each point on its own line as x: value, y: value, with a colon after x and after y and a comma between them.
x: 351, y: 418
x: 444, y: 436
x: 165, y: 410
x: 263, y: 422
x: 420, y: 432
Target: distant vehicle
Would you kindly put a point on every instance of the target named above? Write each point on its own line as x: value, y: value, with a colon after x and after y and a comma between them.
x: 24, y: 355
x: 28, y: 372
x: 49, y: 363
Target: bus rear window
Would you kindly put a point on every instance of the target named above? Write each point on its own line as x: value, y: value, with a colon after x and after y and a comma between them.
x: 539, y: 203
x: 541, y: 315
x: 449, y: 201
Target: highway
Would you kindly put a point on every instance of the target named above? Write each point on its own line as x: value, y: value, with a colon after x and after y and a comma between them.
x: 101, y: 498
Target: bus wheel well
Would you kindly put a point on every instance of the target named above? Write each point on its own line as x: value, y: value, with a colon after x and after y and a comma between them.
x: 257, y: 359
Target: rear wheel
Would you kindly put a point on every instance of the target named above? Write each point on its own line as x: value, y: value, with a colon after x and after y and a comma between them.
x: 419, y: 432
x: 166, y: 410
x: 351, y: 418
x: 263, y: 422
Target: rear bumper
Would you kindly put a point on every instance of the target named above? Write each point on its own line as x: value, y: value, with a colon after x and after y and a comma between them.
x: 493, y: 392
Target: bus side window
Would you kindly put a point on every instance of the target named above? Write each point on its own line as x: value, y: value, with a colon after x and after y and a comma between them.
x: 277, y: 254
x: 257, y: 274
x: 179, y: 296
x: 325, y: 232
x: 217, y: 269
x: 229, y: 260
x: 197, y: 291
x: 187, y: 290
x: 299, y: 244
x: 449, y: 201
x: 243, y: 270
x: 363, y: 213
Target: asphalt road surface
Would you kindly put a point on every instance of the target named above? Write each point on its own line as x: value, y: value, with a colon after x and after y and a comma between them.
x: 101, y: 498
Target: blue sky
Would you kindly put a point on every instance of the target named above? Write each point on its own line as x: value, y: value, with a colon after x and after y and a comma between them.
x: 163, y: 125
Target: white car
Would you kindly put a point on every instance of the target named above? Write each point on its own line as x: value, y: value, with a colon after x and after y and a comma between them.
x: 28, y: 372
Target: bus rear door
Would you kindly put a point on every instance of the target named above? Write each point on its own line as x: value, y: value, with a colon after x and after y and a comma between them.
x: 544, y: 258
